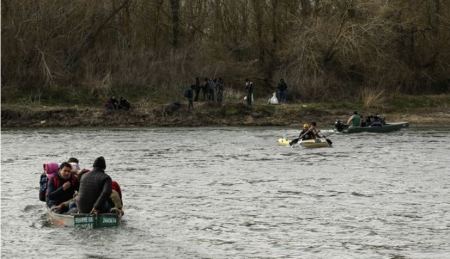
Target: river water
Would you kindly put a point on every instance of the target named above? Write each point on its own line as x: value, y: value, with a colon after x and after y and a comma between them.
x: 233, y: 193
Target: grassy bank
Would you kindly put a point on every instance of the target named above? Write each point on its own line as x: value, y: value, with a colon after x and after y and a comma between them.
x: 418, y: 110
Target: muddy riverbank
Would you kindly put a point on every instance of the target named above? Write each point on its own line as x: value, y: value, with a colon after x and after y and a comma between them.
x: 290, y: 115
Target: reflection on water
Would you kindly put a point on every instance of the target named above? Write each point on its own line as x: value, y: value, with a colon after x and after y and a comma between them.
x: 232, y: 192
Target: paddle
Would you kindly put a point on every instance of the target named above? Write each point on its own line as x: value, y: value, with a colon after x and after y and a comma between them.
x: 327, y: 139
x: 294, y: 141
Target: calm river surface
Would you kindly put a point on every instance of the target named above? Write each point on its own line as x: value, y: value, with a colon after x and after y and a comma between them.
x: 233, y: 193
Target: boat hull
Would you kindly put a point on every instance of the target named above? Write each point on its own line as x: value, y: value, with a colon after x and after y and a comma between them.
x: 315, y: 143
x: 84, y: 220
x: 389, y: 127
x: 310, y: 143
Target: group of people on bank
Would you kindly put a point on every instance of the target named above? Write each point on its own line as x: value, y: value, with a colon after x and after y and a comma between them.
x: 68, y: 189
x: 279, y: 96
x: 113, y: 104
x: 210, y: 90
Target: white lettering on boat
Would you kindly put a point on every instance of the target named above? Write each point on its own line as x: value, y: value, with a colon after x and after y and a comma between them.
x: 109, y: 220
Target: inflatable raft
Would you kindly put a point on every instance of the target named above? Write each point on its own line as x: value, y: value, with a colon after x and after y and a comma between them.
x: 310, y: 143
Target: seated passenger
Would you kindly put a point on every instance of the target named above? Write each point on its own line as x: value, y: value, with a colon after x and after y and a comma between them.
x: 49, y: 170
x: 116, y: 198
x: 354, y: 120
x: 116, y: 195
x: 61, y: 188
x: 363, y: 121
x: 95, y: 189
x: 314, y: 131
x: 109, y: 105
x: 75, y: 164
x: 376, y: 122
x: 124, y: 104
x: 304, y: 134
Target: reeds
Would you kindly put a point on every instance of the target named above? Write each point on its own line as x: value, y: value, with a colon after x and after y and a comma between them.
x: 372, y: 98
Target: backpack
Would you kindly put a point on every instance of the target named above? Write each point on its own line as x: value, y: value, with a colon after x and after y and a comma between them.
x: 49, y: 169
x: 43, y: 184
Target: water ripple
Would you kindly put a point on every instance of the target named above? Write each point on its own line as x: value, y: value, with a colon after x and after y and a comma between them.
x: 233, y: 193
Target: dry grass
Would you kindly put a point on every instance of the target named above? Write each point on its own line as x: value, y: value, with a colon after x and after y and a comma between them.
x: 326, y: 54
x: 232, y: 95
x: 371, y: 98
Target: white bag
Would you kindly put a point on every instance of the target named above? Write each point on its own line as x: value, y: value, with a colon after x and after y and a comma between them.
x: 273, y: 99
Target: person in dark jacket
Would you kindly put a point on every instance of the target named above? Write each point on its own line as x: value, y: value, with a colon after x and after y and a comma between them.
x: 197, y: 88
x: 189, y: 94
x: 204, y: 89
x: 219, y: 91
x: 124, y: 104
x: 282, y: 91
x: 249, y: 87
x: 304, y: 134
x: 61, y: 188
x: 95, y: 189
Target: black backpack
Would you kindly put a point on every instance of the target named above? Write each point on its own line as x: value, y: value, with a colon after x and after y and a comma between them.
x: 43, y: 183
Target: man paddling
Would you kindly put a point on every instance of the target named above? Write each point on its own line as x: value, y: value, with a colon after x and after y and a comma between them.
x: 95, y: 189
x: 304, y: 134
x: 312, y: 132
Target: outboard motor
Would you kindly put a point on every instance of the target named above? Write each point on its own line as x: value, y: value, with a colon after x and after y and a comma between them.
x: 339, y: 125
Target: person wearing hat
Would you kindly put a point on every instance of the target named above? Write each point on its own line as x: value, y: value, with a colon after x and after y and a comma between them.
x: 304, y: 134
x: 95, y: 189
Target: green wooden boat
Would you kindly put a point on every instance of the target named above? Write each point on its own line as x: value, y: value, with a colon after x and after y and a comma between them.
x: 103, y: 220
x: 388, y: 127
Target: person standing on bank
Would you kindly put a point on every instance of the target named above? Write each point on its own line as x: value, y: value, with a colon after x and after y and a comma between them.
x: 197, y: 88
x: 189, y: 94
x: 249, y: 87
x: 282, y: 89
x: 204, y: 88
x: 211, y: 88
x: 95, y: 190
x: 219, y: 91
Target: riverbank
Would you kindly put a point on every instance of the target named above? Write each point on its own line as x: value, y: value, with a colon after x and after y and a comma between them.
x: 206, y: 114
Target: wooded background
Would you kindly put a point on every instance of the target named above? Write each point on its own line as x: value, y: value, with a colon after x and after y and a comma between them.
x: 84, y: 49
